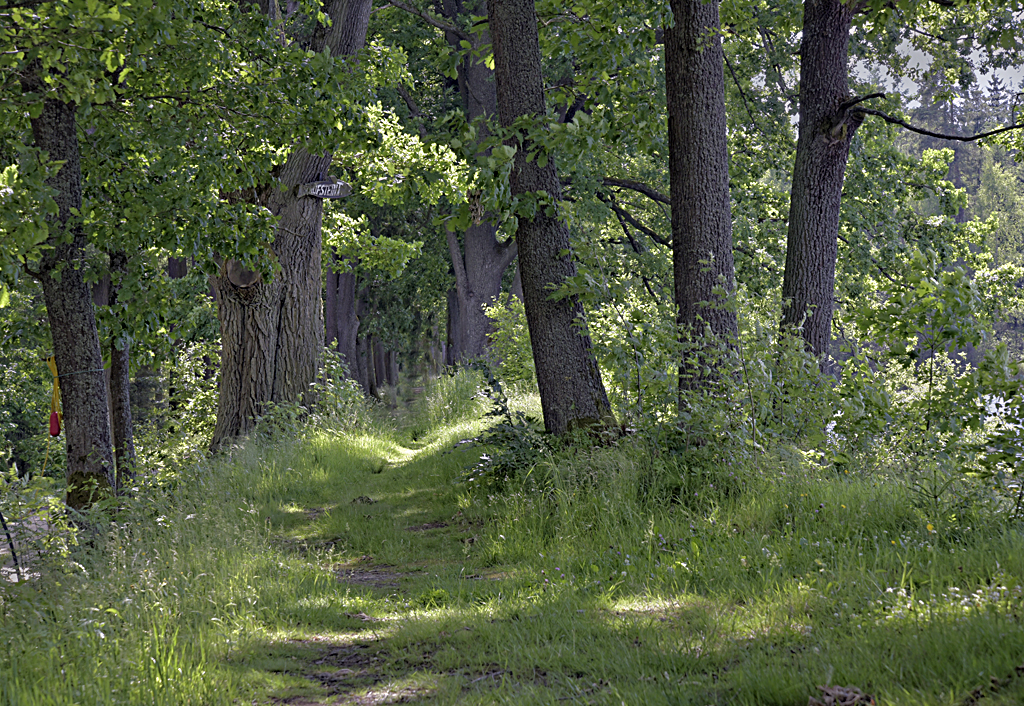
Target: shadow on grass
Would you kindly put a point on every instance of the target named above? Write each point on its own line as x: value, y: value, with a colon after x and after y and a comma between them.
x: 404, y: 638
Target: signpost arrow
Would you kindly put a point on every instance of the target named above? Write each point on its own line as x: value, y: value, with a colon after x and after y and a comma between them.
x: 325, y: 189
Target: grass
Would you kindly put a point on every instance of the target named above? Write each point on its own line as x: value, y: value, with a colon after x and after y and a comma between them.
x: 348, y: 565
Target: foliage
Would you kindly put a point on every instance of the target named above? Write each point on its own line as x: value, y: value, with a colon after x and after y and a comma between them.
x: 510, y: 342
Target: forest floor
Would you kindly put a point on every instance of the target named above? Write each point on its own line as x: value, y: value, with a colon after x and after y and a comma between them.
x: 357, y: 567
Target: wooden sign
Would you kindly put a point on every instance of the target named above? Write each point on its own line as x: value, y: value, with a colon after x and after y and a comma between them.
x: 325, y: 190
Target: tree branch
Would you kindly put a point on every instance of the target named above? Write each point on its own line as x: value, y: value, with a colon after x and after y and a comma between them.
x: 743, y: 95
x: 625, y: 215
x: 414, y: 110
x: 928, y: 133
x: 638, y: 250
x: 510, y: 249
x: 638, y: 187
x: 845, y: 106
x: 434, y: 21
x: 768, y: 264
x: 458, y: 264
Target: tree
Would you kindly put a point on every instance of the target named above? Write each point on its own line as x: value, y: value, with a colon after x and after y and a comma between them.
x: 48, y: 72
x: 827, y: 126
x: 479, y: 259
x: 272, y: 332
x: 569, y: 380
x: 482, y: 259
x: 829, y: 117
x: 699, y: 175
x: 76, y: 343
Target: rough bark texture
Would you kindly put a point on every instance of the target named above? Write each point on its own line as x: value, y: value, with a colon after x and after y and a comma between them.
x: 823, y: 146
x: 120, y: 385
x: 76, y: 343
x: 699, y: 173
x: 341, y: 318
x: 571, y: 390
x: 481, y: 260
x: 272, y: 332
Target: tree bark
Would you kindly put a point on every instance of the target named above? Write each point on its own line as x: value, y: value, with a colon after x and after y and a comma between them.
x: 823, y: 146
x: 365, y: 364
x: 76, y: 343
x: 481, y: 260
x: 120, y: 386
x: 699, y: 174
x: 340, y: 317
x: 454, y: 332
x: 571, y: 390
x: 379, y: 367
x: 272, y: 332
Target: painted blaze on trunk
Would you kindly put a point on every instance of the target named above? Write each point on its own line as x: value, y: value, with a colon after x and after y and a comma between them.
x: 571, y: 390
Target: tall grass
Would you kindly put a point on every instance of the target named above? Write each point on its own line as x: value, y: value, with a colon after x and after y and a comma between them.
x: 447, y: 399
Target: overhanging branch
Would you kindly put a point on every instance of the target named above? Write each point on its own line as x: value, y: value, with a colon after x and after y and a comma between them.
x: 941, y: 136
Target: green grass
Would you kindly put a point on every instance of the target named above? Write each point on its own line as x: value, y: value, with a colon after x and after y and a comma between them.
x: 350, y: 566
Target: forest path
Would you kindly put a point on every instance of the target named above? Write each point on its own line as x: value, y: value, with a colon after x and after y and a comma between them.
x: 390, y: 541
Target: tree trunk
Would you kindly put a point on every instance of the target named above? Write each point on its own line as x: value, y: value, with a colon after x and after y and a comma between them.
x: 481, y: 260
x: 380, y: 372
x: 571, y: 390
x: 272, y: 332
x: 823, y: 146
x: 699, y: 173
x: 341, y: 318
x: 76, y: 343
x: 177, y: 268
x: 454, y: 332
x: 120, y: 385
x: 364, y: 362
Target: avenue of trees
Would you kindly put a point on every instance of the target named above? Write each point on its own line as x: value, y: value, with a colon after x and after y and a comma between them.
x: 739, y: 209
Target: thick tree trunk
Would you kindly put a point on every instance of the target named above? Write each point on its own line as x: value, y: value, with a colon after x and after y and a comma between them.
x: 272, y: 332
x: 481, y: 260
x: 69, y: 307
x: 479, y: 266
x: 823, y: 146
x: 571, y: 390
x: 699, y: 173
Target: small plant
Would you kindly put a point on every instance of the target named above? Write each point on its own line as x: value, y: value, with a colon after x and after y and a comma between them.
x: 514, y: 444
